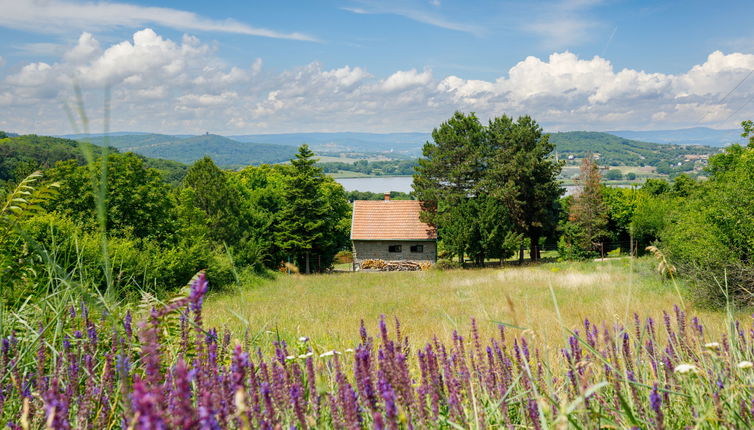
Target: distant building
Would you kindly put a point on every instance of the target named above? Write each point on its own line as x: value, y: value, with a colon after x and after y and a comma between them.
x: 391, y: 230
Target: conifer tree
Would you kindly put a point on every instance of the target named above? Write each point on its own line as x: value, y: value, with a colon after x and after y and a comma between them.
x: 588, y: 211
x: 302, y: 221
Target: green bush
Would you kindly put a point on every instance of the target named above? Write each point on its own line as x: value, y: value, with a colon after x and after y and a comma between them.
x: 443, y: 264
x: 710, y: 239
x: 136, y: 265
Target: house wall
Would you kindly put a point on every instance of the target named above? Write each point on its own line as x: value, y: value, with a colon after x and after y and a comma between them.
x: 378, y: 250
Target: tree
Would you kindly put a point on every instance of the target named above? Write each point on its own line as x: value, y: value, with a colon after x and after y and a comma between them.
x: 450, y: 183
x: 710, y: 237
x: 523, y: 174
x: 588, y: 212
x: 452, y: 165
x: 614, y: 175
x: 217, y: 199
x: 630, y: 176
x: 302, y: 224
x: 503, y: 173
x: 137, y: 201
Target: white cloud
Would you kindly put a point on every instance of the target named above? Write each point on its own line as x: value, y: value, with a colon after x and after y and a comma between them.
x: 182, y: 87
x: 85, y: 49
x: 2, y: 61
x: 403, y: 79
x: 61, y: 16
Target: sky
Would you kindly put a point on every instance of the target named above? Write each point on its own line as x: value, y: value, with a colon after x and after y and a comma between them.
x: 230, y: 67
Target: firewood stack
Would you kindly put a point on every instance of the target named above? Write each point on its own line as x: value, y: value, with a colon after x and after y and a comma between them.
x: 391, y: 266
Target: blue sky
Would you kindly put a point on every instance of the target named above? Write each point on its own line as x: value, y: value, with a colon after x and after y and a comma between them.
x: 383, y: 66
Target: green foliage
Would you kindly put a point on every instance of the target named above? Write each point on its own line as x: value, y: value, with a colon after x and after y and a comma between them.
x: 376, y: 168
x: 617, y: 151
x: 443, y: 264
x: 217, y: 199
x: 312, y: 225
x: 367, y: 195
x: 483, y: 187
x: 587, y: 215
x: 137, y: 201
x: 710, y: 237
x: 225, y: 152
x: 630, y: 176
x: 18, y: 256
x: 614, y: 175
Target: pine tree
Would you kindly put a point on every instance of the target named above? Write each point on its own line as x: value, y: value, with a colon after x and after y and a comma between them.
x: 588, y: 211
x: 302, y: 221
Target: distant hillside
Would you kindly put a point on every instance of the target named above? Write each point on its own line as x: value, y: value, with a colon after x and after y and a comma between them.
x: 406, y: 144
x: 21, y: 155
x: 686, y: 136
x: 224, y: 151
x: 617, y: 151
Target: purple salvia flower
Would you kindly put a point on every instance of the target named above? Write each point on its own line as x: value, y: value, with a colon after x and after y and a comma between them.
x: 127, y: 325
x: 655, y: 402
x: 533, y: 412
x: 182, y: 410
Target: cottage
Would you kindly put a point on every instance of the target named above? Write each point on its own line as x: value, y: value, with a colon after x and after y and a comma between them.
x: 391, y: 230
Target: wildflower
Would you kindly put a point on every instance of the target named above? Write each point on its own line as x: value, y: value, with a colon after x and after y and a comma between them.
x: 745, y: 365
x: 686, y: 368
x: 329, y: 353
x: 290, y: 357
x: 303, y: 339
x: 349, y: 350
x: 712, y: 346
x: 307, y: 355
x: 655, y: 402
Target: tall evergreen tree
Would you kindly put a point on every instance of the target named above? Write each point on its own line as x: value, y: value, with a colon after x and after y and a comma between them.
x: 522, y: 173
x: 302, y: 222
x: 588, y: 210
x: 470, y: 211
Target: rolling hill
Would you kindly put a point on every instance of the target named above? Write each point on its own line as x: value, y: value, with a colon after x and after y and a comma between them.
x: 274, y: 148
x: 224, y: 151
x: 686, y: 136
x: 20, y: 155
x: 405, y: 144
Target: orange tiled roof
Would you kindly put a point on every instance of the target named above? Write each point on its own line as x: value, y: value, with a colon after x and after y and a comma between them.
x: 389, y: 219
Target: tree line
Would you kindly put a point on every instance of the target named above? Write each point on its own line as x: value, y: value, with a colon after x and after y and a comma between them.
x: 158, y: 235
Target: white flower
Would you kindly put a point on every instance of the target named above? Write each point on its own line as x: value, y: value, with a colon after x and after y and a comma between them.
x: 349, y: 350
x: 686, y: 368
x: 712, y: 346
x: 307, y: 355
x: 329, y: 354
x: 303, y: 339
x: 290, y: 357
x: 745, y: 365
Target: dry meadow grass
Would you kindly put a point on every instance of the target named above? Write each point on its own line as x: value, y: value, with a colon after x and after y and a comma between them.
x: 328, y: 308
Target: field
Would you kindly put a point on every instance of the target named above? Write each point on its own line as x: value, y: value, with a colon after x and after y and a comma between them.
x: 328, y: 308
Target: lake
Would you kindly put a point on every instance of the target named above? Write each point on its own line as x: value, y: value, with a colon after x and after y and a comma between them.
x: 383, y: 184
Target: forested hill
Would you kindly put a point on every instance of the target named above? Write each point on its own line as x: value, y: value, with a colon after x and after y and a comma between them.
x: 21, y: 155
x: 615, y: 151
x: 224, y: 151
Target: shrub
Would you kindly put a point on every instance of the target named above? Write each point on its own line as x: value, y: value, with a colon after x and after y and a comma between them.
x: 345, y: 256
x: 443, y: 264
x: 711, y: 237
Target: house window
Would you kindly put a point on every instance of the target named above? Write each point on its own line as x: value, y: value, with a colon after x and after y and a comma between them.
x: 394, y: 248
x: 417, y: 248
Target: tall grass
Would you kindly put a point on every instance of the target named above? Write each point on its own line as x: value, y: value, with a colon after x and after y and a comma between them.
x: 83, y: 368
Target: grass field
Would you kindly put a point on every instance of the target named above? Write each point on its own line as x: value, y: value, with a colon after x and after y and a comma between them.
x: 328, y: 308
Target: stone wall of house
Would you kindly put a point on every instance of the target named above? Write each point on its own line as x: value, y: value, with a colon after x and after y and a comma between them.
x: 380, y: 250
